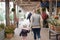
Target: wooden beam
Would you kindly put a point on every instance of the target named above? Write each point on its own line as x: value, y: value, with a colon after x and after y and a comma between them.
x: 14, y: 5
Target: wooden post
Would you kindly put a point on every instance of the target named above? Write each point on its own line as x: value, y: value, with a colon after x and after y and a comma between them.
x: 7, y: 12
x: 50, y: 7
x: 14, y: 13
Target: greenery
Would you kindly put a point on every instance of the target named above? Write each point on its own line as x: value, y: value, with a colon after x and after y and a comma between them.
x: 54, y: 21
x: 1, y: 27
x: 9, y: 29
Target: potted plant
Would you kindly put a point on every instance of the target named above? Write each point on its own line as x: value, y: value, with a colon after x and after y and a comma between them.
x: 9, y: 31
x: 13, y: 9
x: 51, y: 24
x: 55, y: 22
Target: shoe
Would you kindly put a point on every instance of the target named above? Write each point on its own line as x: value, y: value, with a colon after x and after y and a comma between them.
x: 20, y: 34
x: 38, y: 38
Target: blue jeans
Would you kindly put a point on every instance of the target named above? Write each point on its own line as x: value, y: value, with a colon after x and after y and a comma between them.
x: 36, y: 32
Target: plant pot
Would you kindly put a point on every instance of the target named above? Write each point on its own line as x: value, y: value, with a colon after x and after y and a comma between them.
x: 9, y: 35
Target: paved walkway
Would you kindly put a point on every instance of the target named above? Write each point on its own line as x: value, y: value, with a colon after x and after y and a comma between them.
x: 44, y: 35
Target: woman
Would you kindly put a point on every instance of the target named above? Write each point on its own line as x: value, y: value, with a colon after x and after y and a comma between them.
x: 35, y: 23
x: 44, y: 17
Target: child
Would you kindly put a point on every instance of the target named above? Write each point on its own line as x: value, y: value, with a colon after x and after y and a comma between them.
x: 25, y: 30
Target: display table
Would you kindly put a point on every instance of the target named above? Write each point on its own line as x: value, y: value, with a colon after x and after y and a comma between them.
x: 55, y: 32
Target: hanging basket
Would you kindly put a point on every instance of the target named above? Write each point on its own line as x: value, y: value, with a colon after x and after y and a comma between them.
x: 13, y: 9
x: 19, y: 10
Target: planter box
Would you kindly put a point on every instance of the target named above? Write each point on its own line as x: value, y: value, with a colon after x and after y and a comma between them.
x: 2, y: 35
x: 57, y: 29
